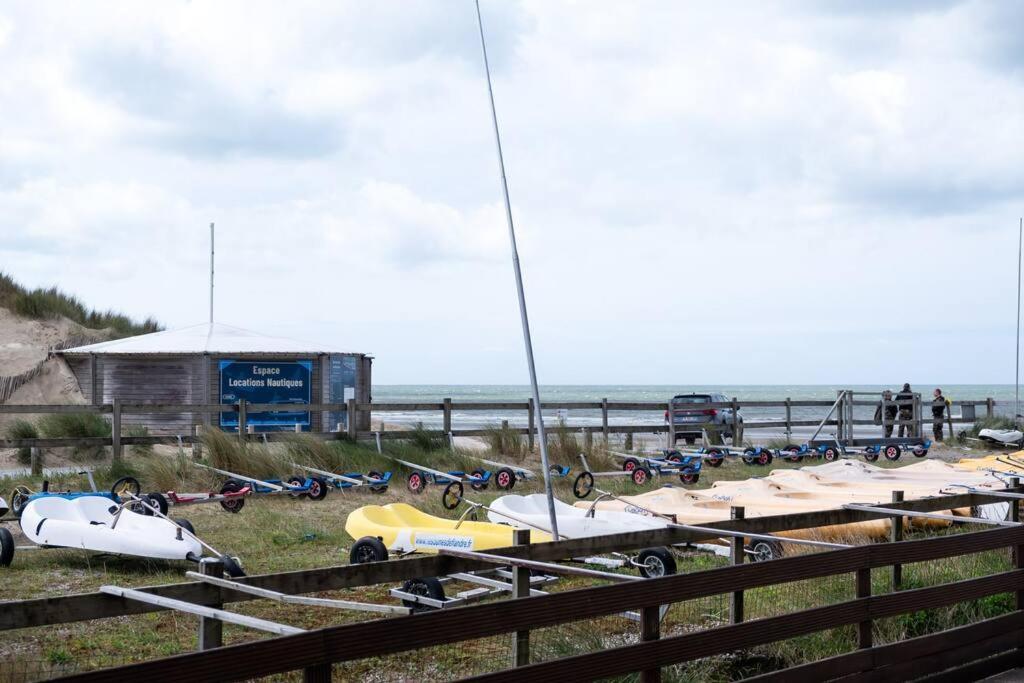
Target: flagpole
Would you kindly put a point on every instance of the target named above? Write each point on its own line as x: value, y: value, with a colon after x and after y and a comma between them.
x: 1016, y: 383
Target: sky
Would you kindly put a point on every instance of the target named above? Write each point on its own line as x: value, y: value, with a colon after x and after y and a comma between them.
x: 758, y: 193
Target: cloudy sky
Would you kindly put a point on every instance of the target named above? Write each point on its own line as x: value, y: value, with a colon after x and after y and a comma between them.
x: 790, y: 192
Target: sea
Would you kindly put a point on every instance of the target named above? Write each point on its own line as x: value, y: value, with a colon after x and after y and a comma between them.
x: 1003, y: 394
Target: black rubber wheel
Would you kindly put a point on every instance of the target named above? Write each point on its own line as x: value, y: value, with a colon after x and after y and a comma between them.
x: 748, y: 456
x: 892, y: 452
x: 157, y: 500
x: 871, y: 455
x: 673, y: 457
x: 762, y: 551
x: 317, y: 489
x: 831, y: 454
x: 791, y: 452
x: 232, y: 505
x: 428, y: 587
x: 6, y: 547
x: 478, y: 485
x: 656, y: 562
x: 378, y: 488
x: 186, y: 525
x: 764, y: 458
x: 368, y: 549
x: 630, y: 464
x: 505, y: 479
x: 641, y: 475
x: 452, y: 495
x: 689, y: 477
x: 19, y: 499
x: 299, y: 482
x: 124, y: 486
x: 583, y: 484
x: 919, y: 451
x: 555, y: 471
x: 416, y: 482
x: 714, y: 458
x: 231, y: 567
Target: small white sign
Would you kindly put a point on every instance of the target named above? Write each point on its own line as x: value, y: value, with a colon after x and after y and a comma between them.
x: 350, y: 393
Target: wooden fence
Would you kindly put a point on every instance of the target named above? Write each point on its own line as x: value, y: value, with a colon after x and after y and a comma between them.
x: 965, y: 653
x: 843, y: 421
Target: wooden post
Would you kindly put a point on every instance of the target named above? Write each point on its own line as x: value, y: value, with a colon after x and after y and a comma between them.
x: 650, y: 629
x: 529, y: 425
x: 990, y: 408
x: 629, y: 441
x: 839, y: 416
x: 588, y: 441
x: 789, y: 419
x: 36, y: 454
x: 197, y: 443
x: 737, y: 557
x: 115, y: 432
x: 1014, y: 503
x: 243, y: 422
x: 318, y: 673
x: 918, y: 417
x: 671, y: 426
x: 352, y: 418
x: 520, y: 589
x: 211, y: 632
x: 864, y: 638
x: 737, y: 434
x: 896, y: 535
x: 447, y: 408
x: 604, y: 420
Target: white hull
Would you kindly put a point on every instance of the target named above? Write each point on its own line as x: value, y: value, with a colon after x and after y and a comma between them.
x: 531, y: 512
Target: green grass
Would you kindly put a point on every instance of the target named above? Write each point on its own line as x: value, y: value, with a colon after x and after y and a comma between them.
x: 22, y: 429
x: 77, y: 425
x: 48, y: 303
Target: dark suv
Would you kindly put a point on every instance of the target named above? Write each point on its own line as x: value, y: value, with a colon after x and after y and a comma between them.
x: 689, y: 417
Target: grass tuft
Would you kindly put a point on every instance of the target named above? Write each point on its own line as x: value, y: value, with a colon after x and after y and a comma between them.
x: 77, y: 425
x: 22, y: 429
x: 505, y: 441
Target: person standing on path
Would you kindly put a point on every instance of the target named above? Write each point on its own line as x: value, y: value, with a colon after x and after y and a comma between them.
x: 906, y: 411
x: 888, y: 409
x: 939, y: 407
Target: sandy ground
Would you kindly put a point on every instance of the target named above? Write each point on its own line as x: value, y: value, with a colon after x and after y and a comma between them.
x: 24, y: 342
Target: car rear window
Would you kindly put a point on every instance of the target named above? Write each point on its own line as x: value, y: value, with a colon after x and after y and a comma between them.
x: 680, y: 400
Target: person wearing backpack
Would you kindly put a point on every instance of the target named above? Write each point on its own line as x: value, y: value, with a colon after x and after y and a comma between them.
x: 940, y: 404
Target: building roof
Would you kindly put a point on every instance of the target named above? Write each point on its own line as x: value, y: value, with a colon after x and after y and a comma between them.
x: 204, y: 338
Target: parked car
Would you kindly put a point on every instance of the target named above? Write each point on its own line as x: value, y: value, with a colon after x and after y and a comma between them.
x: 689, y: 417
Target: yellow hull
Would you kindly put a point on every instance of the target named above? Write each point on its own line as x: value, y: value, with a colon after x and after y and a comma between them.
x: 403, y: 528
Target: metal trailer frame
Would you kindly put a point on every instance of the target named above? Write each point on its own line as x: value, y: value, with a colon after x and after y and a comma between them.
x: 474, y: 481
x: 640, y: 475
x: 663, y: 466
x: 486, y: 587
x: 376, y: 485
x: 892, y: 512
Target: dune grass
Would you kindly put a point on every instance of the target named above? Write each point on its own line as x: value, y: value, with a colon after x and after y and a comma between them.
x: 76, y: 425
x: 48, y: 303
x: 22, y: 429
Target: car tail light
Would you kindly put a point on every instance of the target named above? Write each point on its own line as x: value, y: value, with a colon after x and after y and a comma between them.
x: 711, y: 411
x: 666, y: 415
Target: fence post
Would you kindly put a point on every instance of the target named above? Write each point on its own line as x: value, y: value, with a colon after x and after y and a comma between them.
x: 604, y: 420
x: 990, y: 408
x: 864, y: 638
x: 115, y: 432
x: 650, y: 629
x: 629, y: 441
x: 918, y: 417
x: 737, y: 435
x: 896, y: 535
x: 447, y: 408
x: 520, y: 589
x: 211, y: 631
x: 529, y: 424
x: 789, y: 419
x: 352, y: 418
x: 737, y: 557
x: 36, y: 454
x: 1014, y: 503
x: 671, y: 426
x: 197, y: 443
x: 243, y: 422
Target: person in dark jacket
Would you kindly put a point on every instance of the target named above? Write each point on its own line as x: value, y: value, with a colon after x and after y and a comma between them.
x: 939, y: 407
x: 890, y: 411
x: 906, y: 411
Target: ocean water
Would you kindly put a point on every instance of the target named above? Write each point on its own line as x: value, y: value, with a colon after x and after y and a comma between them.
x: 1003, y: 394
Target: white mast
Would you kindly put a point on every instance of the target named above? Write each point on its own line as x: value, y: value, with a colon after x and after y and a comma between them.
x: 211, y: 275
x: 541, y: 435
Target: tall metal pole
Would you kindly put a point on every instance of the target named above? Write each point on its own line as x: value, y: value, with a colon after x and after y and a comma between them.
x: 519, y: 287
x: 1016, y: 383
x: 211, y: 274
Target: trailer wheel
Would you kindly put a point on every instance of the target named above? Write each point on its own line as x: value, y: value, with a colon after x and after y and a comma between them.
x: 674, y: 458
x: 452, y: 495
x: 416, y: 483
x: 186, y: 525
x: 871, y: 455
x: 656, y: 562
x: 919, y: 451
x: 641, y: 475
x: 630, y: 464
x: 505, y: 479
x: 689, y: 477
x: 125, y: 486
x: 892, y: 452
x: 368, y: 549
x: 6, y: 547
x: 583, y: 484
x: 748, y: 456
x: 157, y: 500
x: 19, y: 499
x: 714, y: 458
x: 231, y: 567
x: 232, y: 505
x: 427, y: 587
x: 300, y: 483
x: 556, y: 471
x: 764, y: 458
x: 762, y: 551
x: 317, y: 489
x: 831, y: 454
x: 478, y: 485
x: 376, y: 488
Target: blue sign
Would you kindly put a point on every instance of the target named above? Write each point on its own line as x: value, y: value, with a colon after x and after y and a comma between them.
x: 286, y: 383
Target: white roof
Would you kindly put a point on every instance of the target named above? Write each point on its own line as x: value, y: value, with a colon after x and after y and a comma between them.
x: 205, y: 338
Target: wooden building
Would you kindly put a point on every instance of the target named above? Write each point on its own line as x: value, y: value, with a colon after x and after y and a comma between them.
x: 215, y: 363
